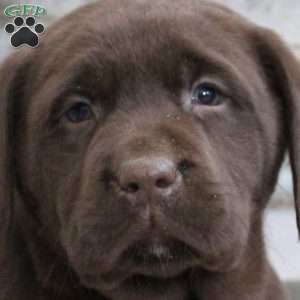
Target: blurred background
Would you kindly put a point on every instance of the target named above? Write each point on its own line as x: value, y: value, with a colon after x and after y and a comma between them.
x: 282, y: 16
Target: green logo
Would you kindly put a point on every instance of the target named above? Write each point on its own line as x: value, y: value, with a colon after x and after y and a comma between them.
x: 17, y: 10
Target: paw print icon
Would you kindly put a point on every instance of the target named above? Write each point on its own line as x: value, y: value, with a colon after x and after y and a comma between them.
x: 24, y: 32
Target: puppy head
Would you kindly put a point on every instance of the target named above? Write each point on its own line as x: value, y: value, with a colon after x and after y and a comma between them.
x: 148, y: 143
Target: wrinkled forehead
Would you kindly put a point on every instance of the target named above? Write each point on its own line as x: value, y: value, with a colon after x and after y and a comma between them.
x: 130, y: 38
x: 127, y: 48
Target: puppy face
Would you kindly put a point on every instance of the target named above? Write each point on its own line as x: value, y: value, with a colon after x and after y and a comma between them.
x: 149, y: 143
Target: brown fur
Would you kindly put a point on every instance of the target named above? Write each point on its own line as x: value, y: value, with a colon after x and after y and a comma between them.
x: 69, y: 229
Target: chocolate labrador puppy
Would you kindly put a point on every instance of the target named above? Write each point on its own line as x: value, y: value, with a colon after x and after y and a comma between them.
x: 140, y: 144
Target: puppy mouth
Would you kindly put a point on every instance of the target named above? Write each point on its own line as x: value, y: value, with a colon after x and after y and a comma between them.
x: 156, y: 260
x: 148, y: 262
x: 159, y: 257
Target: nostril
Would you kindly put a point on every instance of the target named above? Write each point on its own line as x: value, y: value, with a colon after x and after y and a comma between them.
x: 185, y: 165
x: 163, y: 183
x: 131, y: 188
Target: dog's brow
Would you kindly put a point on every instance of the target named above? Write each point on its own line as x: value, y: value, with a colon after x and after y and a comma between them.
x: 197, y: 64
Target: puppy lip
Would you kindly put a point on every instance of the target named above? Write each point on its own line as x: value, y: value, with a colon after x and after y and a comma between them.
x: 115, y: 280
x: 159, y: 257
x: 161, y: 271
x: 146, y: 261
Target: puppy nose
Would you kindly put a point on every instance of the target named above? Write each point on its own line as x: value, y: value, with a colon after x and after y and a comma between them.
x: 149, y: 175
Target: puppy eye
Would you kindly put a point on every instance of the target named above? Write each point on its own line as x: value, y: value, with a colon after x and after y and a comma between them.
x: 79, y: 112
x: 205, y: 94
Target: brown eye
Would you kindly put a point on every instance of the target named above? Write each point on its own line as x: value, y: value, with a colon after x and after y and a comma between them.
x: 79, y: 112
x: 206, y: 95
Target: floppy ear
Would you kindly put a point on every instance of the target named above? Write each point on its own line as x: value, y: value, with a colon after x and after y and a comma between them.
x: 283, y: 72
x: 12, y: 75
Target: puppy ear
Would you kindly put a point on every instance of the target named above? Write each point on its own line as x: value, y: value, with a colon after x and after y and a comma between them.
x: 283, y: 73
x: 12, y: 75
